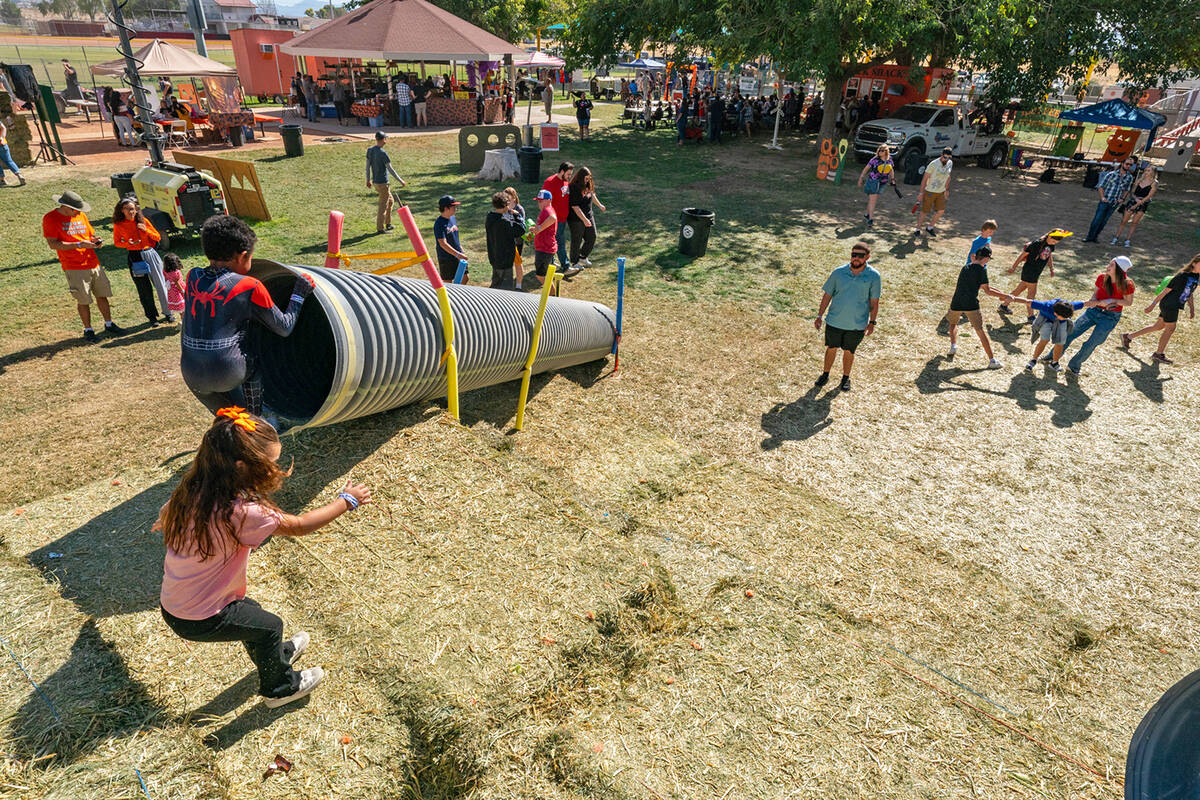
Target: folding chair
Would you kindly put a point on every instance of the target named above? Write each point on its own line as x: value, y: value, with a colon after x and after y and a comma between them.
x: 1018, y: 163
x: 177, y: 133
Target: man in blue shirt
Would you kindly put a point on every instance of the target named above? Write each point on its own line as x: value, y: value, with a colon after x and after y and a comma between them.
x: 379, y: 166
x: 1113, y: 186
x: 851, y: 295
x: 445, y: 236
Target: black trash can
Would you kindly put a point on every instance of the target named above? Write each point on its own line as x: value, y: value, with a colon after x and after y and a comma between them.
x: 693, y: 231
x: 293, y: 143
x: 235, y: 136
x: 1091, y: 176
x: 531, y: 164
x: 122, y: 182
x: 913, y: 163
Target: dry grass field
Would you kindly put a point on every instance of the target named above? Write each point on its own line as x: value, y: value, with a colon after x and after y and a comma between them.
x: 695, y: 578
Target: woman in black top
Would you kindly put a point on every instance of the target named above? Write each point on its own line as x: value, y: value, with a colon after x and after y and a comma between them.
x: 580, y: 219
x: 1179, y: 291
x: 583, y: 114
x: 1138, y: 202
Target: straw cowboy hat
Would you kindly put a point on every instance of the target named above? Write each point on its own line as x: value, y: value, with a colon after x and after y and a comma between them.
x: 72, y: 200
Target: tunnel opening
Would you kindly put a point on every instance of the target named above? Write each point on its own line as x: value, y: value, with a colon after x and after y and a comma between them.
x: 297, y: 370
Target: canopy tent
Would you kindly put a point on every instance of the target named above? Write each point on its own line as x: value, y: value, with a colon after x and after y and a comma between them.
x: 643, y: 63
x: 401, y: 30
x: 1115, y: 112
x: 164, y: 58
x: 538, y: 60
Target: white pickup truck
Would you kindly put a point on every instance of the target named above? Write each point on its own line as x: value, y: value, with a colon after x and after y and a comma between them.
x: 926, y: 128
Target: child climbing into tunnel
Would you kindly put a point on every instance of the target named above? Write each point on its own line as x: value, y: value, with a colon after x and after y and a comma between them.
x: 219, y: 359
x: 219, y: 512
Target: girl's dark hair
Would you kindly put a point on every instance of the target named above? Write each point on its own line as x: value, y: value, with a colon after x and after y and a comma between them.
x: 171, y: 262
x: 233, y: 463
x: 1121, y: 283
x: 583, y: 180
x: 1064, y: 309
x: 119, y: 216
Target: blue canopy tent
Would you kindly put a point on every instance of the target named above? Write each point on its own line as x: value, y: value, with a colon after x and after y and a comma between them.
x: 1118, y: 113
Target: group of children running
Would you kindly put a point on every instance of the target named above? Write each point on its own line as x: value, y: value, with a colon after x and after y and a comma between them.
x: 1052, y: 322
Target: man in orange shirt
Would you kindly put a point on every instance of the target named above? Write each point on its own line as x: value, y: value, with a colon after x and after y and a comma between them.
x: 69, y: 234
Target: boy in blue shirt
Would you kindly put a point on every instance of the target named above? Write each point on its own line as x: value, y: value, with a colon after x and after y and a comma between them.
x: 445, y: 236
x: 984, y: 239
x: 1052, y: 324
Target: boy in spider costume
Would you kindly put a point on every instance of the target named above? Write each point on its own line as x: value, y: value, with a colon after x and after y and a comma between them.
x: 220, y: 360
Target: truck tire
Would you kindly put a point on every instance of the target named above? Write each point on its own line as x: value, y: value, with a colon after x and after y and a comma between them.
x: 917, y: 146
x: 163, y: 224
x: 994, y: 157
x: 861, y: 158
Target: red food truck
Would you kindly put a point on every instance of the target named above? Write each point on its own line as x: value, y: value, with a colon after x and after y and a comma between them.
x: 893, y: 86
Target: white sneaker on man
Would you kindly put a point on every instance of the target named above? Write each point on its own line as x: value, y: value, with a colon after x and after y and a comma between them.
x: 587, y: 262
x: 994, y: 364
x: 309, y: 679
x: 953, y: 349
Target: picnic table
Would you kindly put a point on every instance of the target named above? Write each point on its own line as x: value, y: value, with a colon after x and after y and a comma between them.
x: 86, y: 106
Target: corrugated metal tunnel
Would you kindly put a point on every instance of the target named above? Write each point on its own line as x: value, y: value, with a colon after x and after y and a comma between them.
x: 369, y: 343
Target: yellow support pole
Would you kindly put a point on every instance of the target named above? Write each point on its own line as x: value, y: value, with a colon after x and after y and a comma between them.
x: 533, y: 346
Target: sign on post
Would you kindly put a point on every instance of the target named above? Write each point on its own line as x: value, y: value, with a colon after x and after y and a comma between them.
x: 549, y: 135
x: 748, y: 86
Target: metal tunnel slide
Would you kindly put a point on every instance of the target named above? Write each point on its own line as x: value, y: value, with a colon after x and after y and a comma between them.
x: 369, y: 343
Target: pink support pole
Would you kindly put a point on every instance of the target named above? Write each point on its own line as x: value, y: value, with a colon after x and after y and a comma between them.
x: 414, y: 236
x: 336, y: 219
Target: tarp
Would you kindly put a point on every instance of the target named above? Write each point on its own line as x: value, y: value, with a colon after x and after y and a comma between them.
x: 644, y: 63
x: 401, y: 30
x: 164, y: 58
x: 539, y: 59
x: 1117, y: 113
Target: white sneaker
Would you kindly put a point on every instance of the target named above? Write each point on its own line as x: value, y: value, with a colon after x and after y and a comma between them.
x: 309, y: 679
x: 1114, y: 241
x: 1054, y: 365
x: 953, y: 349
x: 299, y: 644
x: 1127, y: 243
x: 994, y: 364
x: 587, y: 262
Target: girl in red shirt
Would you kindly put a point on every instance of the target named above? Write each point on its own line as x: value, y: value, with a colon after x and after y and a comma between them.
x: 135, y: 234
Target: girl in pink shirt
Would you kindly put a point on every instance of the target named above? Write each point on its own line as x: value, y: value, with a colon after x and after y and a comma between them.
x: 221, y: 510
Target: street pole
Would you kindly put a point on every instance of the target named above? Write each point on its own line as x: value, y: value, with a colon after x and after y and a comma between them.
x: 195, y: 13
x: 774, y: 145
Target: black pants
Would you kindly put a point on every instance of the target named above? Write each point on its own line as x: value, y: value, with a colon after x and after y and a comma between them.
x: 583, y: 237
x: 145, y: 289
x: 260, y: 631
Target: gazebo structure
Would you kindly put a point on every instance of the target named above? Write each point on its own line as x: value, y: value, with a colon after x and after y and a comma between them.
x: 413, y: 31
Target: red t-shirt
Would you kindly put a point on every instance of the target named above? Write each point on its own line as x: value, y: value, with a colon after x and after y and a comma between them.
x: 1103, y: 294
x: 546, y: 242
x: 71, y: 229
x: 559, y: 189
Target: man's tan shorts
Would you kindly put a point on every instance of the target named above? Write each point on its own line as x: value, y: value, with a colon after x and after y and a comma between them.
x: 974, y: 317
x: 933, y: 201
x: 86, y: 283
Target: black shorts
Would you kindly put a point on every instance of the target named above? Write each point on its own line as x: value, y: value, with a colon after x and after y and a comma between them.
x: 1169, y: 312
x: 1130, y: 206
x: 843, y: 339
x: 542, y: 262
x: 447, y: 269
x: 1031, y: 274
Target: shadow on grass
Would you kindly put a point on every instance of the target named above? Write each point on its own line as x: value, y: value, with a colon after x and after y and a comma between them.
x: 798, y: 420
x: 112, y: 565
x: 254, y: 718
x: 142, y: 334
x: 1147, y: 378
x: 1069, y: 404
x: 497, y: 405
x: 42, y: 351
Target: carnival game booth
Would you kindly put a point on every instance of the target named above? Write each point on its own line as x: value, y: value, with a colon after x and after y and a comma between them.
x: 413, y: 31
x: 1130, y: 122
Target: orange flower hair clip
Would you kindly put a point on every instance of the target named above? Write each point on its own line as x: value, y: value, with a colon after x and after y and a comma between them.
x: 239, y: 417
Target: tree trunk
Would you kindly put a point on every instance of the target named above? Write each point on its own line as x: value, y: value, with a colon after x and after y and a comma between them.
x: 834, y: 81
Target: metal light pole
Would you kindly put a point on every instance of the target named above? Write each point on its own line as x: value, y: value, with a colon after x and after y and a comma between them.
x: 151, y: 133
x: 195, y: 12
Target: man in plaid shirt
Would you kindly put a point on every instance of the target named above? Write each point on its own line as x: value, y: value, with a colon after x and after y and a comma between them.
x: 404, y: 99
x: 1113, y: 186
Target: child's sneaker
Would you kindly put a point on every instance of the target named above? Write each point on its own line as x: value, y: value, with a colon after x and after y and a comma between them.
x: 309, y: 679
x: 1055, y: 366
x: 1127, y: 243
x: 1004, y: 309
x: 1126, y: 340
x: 953, y: 349
x: 931, y: 231
x: 299, y: 645
x: 1161, y: 358
x: 587, y: 262
x: 1114, y: 241
x: 1029, y: 367
x: 994, y: 364
x: 1031, y: 318
x: 845, y: 385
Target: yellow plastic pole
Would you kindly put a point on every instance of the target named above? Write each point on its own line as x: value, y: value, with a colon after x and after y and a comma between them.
x: 449, y: 357
x: 533, y: 345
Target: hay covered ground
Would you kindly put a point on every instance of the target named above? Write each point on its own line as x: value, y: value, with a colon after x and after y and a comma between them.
x: 696, y: 578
